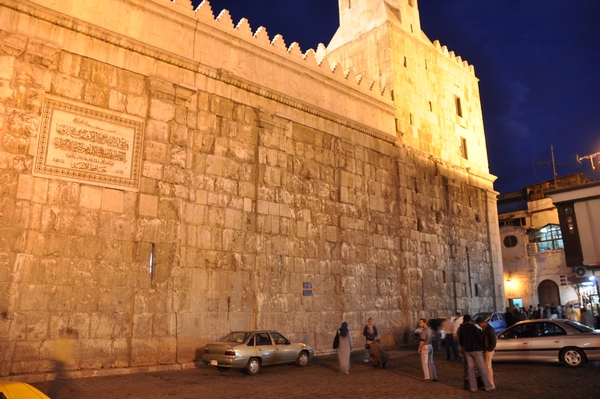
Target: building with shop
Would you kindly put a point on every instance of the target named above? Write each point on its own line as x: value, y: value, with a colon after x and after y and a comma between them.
x: 540, y: 264
x: 578, y: 210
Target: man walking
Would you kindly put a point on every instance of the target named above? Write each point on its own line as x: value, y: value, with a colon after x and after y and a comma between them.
x: 471, y: 339
x: 426, y: 352
x: 572, y: 313
x: 457, y: 320
x: 449, y: 341
x: 489, y: 345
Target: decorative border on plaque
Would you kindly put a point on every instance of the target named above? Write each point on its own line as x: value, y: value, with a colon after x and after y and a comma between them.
x: 78, y: 142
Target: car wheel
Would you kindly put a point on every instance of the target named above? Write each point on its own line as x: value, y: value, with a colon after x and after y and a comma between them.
x: 302, y: 359
x: 572, y: 357
x: 253, y: 366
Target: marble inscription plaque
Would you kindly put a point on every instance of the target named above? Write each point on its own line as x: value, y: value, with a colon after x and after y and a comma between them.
x: 81, y: 143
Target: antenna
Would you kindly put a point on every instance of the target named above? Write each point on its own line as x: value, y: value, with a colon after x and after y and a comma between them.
x: 591, y: 158
x: 553, y: 164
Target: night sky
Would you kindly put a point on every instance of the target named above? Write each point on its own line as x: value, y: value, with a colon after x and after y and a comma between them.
x: 538, y: 62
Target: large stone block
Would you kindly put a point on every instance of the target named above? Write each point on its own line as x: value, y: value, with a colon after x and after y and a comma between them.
x: 161, y: 110
x: 67, y: 86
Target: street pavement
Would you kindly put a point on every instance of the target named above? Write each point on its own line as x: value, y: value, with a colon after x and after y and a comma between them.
x: 321, y: 379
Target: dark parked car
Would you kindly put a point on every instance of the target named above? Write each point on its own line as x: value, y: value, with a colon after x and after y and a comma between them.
x: 250, y: 350
x: 549, y: 340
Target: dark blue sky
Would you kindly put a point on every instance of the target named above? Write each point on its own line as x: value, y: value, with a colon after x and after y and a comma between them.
x: 538, y: 62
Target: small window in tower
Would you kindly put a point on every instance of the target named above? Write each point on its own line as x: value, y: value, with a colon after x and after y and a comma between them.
x: 405, y: 63
x: 463, y: 148
x: 426, y: 64
x: 430, y: 106
x: 411, y: 118
x: 458, y: 107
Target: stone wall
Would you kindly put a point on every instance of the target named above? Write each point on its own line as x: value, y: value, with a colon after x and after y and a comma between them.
x: 285, y: 203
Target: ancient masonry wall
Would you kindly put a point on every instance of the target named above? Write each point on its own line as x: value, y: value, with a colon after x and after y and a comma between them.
x: 262, y: 200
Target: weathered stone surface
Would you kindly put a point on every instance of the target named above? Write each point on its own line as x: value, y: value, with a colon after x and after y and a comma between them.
x: 257, y: 181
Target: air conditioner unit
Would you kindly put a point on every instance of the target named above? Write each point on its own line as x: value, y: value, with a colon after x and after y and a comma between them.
x: 582, y: 272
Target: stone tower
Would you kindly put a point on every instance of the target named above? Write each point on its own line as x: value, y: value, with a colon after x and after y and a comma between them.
x: 437, y: 108
x: 436, y: 93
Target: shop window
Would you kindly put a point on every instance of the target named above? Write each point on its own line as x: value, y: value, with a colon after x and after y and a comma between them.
x: 548, y: 238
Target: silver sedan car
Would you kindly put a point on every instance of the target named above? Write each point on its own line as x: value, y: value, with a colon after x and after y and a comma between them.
x: 250, y: 350
x: 549, y: 340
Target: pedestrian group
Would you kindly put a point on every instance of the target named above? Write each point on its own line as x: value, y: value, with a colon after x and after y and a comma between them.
x: 475, y: 345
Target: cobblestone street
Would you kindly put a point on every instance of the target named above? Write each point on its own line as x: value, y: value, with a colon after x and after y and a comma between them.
x: 320, y: 379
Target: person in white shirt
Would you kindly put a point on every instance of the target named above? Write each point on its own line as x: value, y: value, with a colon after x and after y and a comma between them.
x: 572, y: 313
x: 457, y: 320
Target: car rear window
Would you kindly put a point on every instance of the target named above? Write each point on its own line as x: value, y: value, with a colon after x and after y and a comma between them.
x: 578, y: 326
x: 238, y: 337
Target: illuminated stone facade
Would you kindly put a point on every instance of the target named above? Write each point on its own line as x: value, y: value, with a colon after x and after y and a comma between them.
x: 273, y: 187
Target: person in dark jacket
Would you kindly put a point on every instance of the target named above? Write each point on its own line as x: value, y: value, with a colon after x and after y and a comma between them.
x: 471, y: 339
x: 370, y: 333
x: 489, y: 345
x: 379, y: 357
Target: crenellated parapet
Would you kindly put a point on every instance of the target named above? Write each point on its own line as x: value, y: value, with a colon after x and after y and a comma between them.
x: 317, y: 59
x: 450, y: 54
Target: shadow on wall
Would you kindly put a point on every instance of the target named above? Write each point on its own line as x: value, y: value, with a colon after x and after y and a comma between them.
x: 403, y: 336
x: 198, y: 357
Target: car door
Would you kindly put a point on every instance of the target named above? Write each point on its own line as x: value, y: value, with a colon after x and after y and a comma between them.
x: 284, y: 351
x: 514, y: 343
x: 265, y: 348
x: 547, y: 341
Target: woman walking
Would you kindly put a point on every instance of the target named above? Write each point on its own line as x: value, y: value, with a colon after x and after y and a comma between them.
x: 344, y: 349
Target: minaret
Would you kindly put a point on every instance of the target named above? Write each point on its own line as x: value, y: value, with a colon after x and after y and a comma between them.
x: 360, y: 16
x: 435, y: 92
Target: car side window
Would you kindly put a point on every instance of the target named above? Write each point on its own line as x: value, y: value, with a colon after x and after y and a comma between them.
x: 494, y: 317
x: 547, y: 330
x: 251, y: 341
x: 520, y: 331
x: 263, y: 339
x: 279, y: 339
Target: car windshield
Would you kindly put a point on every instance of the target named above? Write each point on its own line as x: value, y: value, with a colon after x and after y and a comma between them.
x: 485, y: 315
x: 237, y: 336
x: 578, y: 326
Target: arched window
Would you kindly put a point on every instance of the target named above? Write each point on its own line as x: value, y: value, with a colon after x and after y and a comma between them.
x: 510, y: 241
